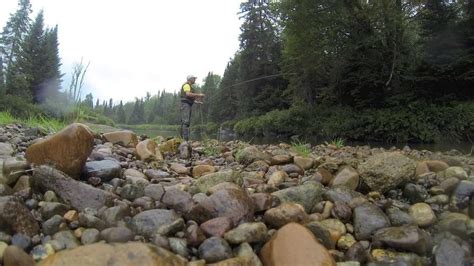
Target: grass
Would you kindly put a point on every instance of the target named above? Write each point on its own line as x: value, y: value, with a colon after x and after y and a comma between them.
x: 210, y: 147
x: 52, y: 125
x: 150, y: 126
x: 301, y: 148
x: 338, y: 142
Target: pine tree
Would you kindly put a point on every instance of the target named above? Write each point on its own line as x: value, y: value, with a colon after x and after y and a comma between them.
x: 51, y: 73
x: 121, y: 118
x: 89, y: 101
x: 2, y: 78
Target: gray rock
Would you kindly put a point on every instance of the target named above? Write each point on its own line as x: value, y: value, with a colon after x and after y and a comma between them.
x: 6, y: 149
x: 105, y: 169
x: 113, y: 215
x: 117, y: 235
x: 448, y: 252
x: 250, y: 154
x: 146, y: 223
x: 307, y: 195
x: 232, y: 203
x: 384, y: 171
x: 74, y: 193
x: 368, y: 218
x: 185, y: 150
x: 415, y: 193
x: 67, y: 239
x: 398, y: 217
x: 408, y: 238
x: 341, y: 193
x: 154, y: 191
x: 89, y: 236
x: 178, y: 200
x: 5, y: 190
x: 13, y: 168
x: 50, y: 209
x: 156, y: 174
x: 52, y: 225
x: 462, y: 195
x: 179, y: 246
x: 207, y: 181
x: 247, y: 232
x: 22, y: 241
x: 323, y: 234
x: 90, y: 221
x: 215, y: 249
x: 132, y: 191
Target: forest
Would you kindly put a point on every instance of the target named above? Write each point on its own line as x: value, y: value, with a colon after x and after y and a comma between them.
x: 385, y: 70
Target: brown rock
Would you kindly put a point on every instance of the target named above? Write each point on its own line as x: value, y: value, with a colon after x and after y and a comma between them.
x: 200, y: 170
x: 132, y: 253
x: 280, y: 159
x: 15, y: 215
x: 326, y: 176
x: 293, y: 244
x: 22, y: 183
x: 436, y: 165
x: 223, y: 185
x: 217, y: 226
x: 277, y: 178
x: 180, y: 169
x: 71, y: 215
x: 194, y: 234
x: 67, y: 150
x: 125, y: 138
x: 15, y: 256
x: 421, y: 168
x: 232, y: 203
x: 304, y: 162
x: 147, y: 150
x: 262, y: 201
x: 348, y: 177
x: 284, y: 214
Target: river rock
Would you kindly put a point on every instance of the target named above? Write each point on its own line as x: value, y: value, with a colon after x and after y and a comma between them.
x: 348, y: 176
x: 217, y: 226
x: 461, y: 196
x: 147, y: 150
x: 180, y: 169
x: 232, y: 203
x: 76, y: 194
x: 194, y: 235
x: 455, y: 171
x: 384, y: 171
x: 6, y: 150
x: 67, y: 150
x: 398, y: 217
x: 113, y: 215
x: 247, y: 232
x: 67, y: 239
x: 277, y: 178
x: 117, y: 235
x: 185, y: 150
x: 284, y: 214
x: 341, y: 193
x: 24, y: 182
x: 307, y: 195
x: 15, y: 215
x: 200, y: 170
x: 293, y: 244
x: 408, y: 238
x: 422, y: 214
x: 14, y: 256
x: 53, y: 225
x: 448, y: 252
x: 263, y: 201
x: 177, y: 199
x: 148, y: 222
x: 5, y: 190
x: 105, y: 169
x: 215, y: 249
x: 90, y: 236
x: 132, y: 253
x: 207, y: 181
x: 250, y: 154
x: 304, y: 163
x: 13, y: 168
x: 125, y: 138
x: 368, y: 218
x: 49, y: 209
x: 280, y: 159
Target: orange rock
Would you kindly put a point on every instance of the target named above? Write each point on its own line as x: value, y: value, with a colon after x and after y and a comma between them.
x: 71, y: 215
x: 125, y: 138
x: 437, y: 166
x: 293, y: 244
x: 421, y: 168
x: 66, y: 150
x: 200, y: 170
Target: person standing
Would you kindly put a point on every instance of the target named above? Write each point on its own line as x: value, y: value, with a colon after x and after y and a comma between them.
x: 188, y: 97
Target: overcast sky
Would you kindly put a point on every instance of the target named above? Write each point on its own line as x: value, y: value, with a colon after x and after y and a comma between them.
x: 140, y: 46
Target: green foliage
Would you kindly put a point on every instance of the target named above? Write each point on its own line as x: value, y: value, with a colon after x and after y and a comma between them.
x: 6, y: 118
x: 48, y: 124
x: 19, y: 107
x: 210, y: 147
x: 205, y: 129
x: 301, y: 148
x: 337, y: 142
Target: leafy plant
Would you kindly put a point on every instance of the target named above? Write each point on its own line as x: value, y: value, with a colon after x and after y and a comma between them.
x: 338, y: 142
x: 210, y: 147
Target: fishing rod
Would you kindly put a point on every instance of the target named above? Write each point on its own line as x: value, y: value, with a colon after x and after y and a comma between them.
x: 259, y: 78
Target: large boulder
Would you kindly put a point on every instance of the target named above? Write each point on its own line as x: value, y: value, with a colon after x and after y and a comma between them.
x: 293, y: 244
x: 74, y: 193
x: 66, y: 150
x: 147, y: 150
x: 384, y: 171
x: 125, y: 138
x: 132, y: 253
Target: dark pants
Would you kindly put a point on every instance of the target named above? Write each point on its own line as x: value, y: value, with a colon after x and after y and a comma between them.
x: 185, y: 120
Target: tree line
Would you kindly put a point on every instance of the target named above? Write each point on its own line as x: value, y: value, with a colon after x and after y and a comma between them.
x: 398, y: 70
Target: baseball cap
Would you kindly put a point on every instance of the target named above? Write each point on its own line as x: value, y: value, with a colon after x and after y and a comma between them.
x: 190, y: 77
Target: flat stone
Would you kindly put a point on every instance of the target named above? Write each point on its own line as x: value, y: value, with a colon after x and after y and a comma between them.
x: 407, y: 238
x: 15, y: 215
x: 105, y: 169
x: 67, y: 150
x: 76, y: 194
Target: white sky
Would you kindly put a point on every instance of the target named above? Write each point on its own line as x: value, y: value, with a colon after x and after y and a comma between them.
x: 142, y: 45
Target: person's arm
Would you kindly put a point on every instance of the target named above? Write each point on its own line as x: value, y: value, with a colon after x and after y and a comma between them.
x: 194, y: 95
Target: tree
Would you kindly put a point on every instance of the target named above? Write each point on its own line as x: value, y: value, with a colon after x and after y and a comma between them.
x: 89, y: 101
x: 121, y: 118
x: 77, y: 82
x: 2, y: 78
x: 211, y: 83
x: 51, y: 73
